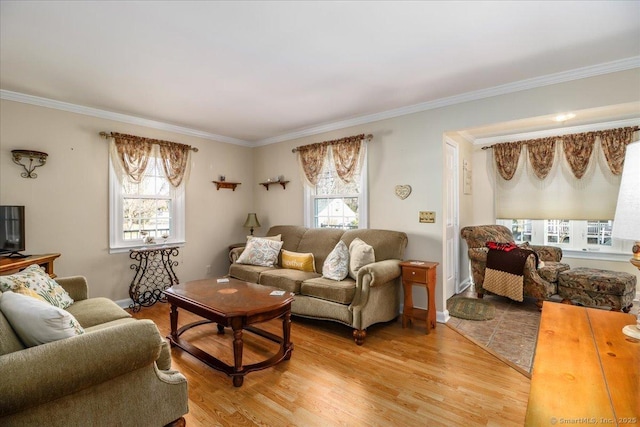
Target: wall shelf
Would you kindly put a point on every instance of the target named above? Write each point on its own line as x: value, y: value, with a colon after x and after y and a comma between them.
x: 226, y: 184
x: 268, y: 183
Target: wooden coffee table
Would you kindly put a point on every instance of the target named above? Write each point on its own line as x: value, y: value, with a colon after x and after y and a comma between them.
x: 234, y: 304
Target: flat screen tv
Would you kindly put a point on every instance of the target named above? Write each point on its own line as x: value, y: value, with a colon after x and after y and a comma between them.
x: 12, y: 235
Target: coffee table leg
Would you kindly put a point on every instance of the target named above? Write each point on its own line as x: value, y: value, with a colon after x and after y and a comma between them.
x: 286, y: 335
x: 173, y: 318
x: 237, y: 354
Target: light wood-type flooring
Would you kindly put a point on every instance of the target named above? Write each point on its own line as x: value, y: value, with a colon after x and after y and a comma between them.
x: 399, y: 377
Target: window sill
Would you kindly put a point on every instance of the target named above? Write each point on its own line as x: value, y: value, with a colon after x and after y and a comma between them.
x: 123, y: 249
x: 597, y: 255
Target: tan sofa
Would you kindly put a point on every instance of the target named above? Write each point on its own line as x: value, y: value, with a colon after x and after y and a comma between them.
x: 374, y: 297
x: 117, y: 373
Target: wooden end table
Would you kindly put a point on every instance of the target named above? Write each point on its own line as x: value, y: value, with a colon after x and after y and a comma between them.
x: 14, y: 265
x: 422, y: 273
x: 234, y: 304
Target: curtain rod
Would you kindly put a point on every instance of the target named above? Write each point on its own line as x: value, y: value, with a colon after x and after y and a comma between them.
x: 486, y: 147
x: 106, y: 135
x: 368, y: 137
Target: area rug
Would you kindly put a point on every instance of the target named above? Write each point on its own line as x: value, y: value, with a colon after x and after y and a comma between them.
x: 471, y: 308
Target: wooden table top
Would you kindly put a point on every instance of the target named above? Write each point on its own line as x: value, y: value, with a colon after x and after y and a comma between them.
x: 585, y: 368
x: 230, y: 299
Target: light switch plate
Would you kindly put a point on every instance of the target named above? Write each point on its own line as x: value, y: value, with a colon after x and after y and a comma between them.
x: 427, y: 216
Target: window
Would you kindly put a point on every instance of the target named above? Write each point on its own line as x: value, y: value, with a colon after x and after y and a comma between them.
x: 152, y: 208
x: 334, y: 203
x: 574, y: 236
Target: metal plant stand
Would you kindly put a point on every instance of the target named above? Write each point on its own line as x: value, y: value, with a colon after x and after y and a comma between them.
x: 154, y: 274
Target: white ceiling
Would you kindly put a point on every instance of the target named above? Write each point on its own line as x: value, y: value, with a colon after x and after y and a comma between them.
x: 253, y: 72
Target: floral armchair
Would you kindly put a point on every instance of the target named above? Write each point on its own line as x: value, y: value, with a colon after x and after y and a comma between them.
x: 539, y: 283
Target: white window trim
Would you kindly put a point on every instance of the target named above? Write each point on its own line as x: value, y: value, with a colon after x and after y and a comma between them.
x: 619, y: 251
x: 116, y: 243
x: 363, y: 199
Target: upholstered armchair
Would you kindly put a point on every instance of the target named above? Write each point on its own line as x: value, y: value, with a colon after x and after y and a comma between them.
x: 539, y: 283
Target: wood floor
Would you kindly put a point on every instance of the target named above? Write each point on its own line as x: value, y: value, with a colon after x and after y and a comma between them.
x: 399, y: 377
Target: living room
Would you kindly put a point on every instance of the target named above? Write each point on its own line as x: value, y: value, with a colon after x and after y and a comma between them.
x: 67, y: 206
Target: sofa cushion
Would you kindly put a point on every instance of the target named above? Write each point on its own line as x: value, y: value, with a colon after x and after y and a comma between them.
x: 34, y: 278
x: 341, y: 292
x: 320, y: 242
x: 386, y: 244
x: 263, y: 252
x: 336, y: 266
x: 298, y: 261
x: 37, y: 322
x: 248, y: 273
x: 9, y: 341
x: 360, y: 254
x: 95, y: 311
x: 286, y: 279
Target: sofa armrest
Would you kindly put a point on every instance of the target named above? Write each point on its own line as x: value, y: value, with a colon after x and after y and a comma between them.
x: 379, y: 273
x: 234, y: 254
x: 76, y: 286
x: 547, y: 253
x: 47, y: 372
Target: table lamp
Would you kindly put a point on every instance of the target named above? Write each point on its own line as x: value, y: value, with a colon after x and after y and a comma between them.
x: 251, y: 222
x: 626, y: 223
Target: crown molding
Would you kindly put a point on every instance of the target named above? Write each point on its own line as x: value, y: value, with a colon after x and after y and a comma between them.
x: 118, y: 117
x: 562, y: 77
x: 565, y: 76
x: 556, y: 132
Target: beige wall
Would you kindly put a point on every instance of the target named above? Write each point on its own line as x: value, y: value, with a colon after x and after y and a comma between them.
x: 67, y: 205
x: 409, y: 150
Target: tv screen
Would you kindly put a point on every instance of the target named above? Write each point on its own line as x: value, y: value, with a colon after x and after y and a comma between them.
x: 12, y: 233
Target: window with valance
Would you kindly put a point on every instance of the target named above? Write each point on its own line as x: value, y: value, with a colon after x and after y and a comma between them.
x: 562, y: 190
x: 147, y: 185
x: 335, y: 176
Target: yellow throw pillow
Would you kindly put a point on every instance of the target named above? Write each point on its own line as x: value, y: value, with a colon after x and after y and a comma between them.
x: 298, y: 261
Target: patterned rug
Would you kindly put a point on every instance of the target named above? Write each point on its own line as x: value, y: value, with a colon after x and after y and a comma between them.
x: 470, y: 308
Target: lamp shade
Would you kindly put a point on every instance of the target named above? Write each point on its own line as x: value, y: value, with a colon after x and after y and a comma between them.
x: 626, y: 224
x: 252, y: 221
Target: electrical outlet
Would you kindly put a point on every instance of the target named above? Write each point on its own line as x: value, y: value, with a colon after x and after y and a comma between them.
x: 208, y: 269
x: 427, y: 216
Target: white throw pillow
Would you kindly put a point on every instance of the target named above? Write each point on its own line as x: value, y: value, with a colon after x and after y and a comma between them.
x: 360, y: 254
x: 263, y: 252
x: 36, y: 279
x: 37, y: 322
x: 336, y: 266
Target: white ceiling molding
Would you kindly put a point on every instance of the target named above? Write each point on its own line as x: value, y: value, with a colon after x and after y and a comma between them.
x: 118, y: 117
x: 557, y: 132
x: 579, y: 73
x: 576, y: 74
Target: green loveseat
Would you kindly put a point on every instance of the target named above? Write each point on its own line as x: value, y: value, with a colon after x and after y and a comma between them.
x: 117, y: 373
x: 371, y: 298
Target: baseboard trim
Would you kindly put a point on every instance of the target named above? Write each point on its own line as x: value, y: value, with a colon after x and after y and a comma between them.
x: 124, y: 303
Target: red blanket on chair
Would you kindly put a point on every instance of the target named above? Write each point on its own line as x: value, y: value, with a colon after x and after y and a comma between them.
x: 504, y: 274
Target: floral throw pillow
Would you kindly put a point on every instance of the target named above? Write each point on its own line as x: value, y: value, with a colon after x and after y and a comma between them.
x: 336, y: 266
x: 35, y: 279
x: 37, y: 322
x: 262, y: 252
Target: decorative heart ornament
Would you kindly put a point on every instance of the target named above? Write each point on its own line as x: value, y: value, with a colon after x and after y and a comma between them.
x: 403, y: 191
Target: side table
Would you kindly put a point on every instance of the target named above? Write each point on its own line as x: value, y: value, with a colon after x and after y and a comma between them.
x: 422, y: 273
x: 154, y: 274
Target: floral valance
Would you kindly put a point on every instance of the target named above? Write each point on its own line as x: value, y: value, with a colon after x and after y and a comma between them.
x: 346, y: 155
x: 133, y: 153
x: 577, y: 150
